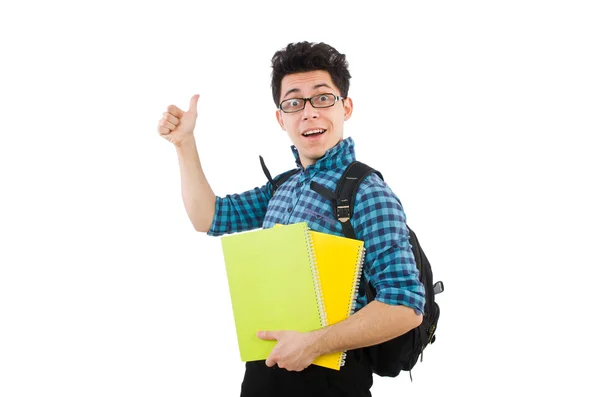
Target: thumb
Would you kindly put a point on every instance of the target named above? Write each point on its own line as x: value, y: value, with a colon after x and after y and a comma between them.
x: 194, y: 103
x: 267, y: 335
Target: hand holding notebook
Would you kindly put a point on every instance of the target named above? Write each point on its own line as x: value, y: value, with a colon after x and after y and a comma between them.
x: 294, y: 350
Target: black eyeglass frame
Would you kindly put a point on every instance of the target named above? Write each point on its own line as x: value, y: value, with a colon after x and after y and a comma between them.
x: 336, y: 98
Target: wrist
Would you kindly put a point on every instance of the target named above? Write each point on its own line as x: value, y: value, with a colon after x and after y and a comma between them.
x: 318, y: 341
x: 186, y: 143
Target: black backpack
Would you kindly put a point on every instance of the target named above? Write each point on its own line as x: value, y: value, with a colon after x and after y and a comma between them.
x: 401, y: 353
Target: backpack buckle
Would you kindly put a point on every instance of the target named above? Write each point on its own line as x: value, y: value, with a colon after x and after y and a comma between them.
x: 343, y: 211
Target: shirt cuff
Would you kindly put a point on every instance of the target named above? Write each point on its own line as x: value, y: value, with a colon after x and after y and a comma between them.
x: 217, y: 227
x: 402, y: 297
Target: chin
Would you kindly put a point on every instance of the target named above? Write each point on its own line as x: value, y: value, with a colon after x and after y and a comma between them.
x: 314, y: 152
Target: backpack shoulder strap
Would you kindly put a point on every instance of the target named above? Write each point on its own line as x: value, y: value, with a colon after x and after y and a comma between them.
x: 279, y: 180
x: 342, y: 200
x: 351, y: 179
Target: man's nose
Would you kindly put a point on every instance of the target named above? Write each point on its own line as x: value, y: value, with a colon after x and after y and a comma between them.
x: 309, y: 111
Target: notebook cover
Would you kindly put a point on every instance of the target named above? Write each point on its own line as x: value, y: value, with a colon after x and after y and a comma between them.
x: 339, y: 261
x: 273, y: 285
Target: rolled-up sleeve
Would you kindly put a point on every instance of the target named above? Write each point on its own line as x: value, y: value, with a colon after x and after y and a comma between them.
x: 390, y: 267
x: 240, y: 212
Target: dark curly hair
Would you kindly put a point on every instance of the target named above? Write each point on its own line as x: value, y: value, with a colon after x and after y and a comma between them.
x: 307, y: 57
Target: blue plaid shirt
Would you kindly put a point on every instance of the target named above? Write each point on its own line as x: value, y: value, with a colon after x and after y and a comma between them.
x: 378, y: 220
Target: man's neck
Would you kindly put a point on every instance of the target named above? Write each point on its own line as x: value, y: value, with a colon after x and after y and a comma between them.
x: 306, y: 162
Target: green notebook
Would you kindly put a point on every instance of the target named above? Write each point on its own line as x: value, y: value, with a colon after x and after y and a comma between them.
x: 273, y: 284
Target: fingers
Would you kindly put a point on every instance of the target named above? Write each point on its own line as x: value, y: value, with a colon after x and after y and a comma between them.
x: 271, y: 361
x: 167, y: 124
x: 170, y: 118
x: 175, y: 111
x: 163, y: 130
x: 267, y: 335
x: 194, y: 103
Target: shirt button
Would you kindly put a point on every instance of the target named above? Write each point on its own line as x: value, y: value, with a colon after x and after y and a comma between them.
x: 289, y: 209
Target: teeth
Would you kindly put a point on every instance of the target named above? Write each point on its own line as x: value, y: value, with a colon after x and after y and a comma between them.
x: 312, y: 132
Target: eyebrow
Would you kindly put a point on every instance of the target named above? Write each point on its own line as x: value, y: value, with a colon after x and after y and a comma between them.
x: 298, y: 90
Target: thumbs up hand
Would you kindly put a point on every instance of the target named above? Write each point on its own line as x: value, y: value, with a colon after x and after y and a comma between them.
x: 177, y: 125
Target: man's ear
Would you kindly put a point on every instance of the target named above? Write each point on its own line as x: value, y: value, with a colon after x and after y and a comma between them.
x: 348, y: 107
x: 280, y: 119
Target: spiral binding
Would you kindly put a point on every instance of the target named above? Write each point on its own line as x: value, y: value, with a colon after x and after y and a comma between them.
x: 316, y: 278
x: 356, y: 281
x: 355, y: 285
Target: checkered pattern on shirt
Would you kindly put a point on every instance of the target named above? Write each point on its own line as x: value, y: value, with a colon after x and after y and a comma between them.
x: 378, y: 220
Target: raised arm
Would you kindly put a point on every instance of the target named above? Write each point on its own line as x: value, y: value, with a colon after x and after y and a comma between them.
x: 177, y: 127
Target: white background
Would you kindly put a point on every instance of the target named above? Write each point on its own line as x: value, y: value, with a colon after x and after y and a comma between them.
x: 481, y: 116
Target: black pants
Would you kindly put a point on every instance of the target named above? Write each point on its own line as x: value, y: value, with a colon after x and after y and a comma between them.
x: 354, y: 379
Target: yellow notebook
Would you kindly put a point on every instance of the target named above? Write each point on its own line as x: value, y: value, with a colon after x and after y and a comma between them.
x: 339, y: 261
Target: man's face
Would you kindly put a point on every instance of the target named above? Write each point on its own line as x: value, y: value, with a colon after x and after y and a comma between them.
x: 331, y: 119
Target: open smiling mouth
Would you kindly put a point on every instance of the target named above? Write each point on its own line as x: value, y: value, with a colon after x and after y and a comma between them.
x: 315, y: 132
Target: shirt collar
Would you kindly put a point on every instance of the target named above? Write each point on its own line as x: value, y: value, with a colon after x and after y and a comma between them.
x: 338, y: 156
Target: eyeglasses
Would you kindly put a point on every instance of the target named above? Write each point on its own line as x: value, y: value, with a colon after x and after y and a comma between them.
x: 318, y: 101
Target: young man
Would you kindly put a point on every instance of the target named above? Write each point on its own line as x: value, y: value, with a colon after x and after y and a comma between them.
x: 310, y: 85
